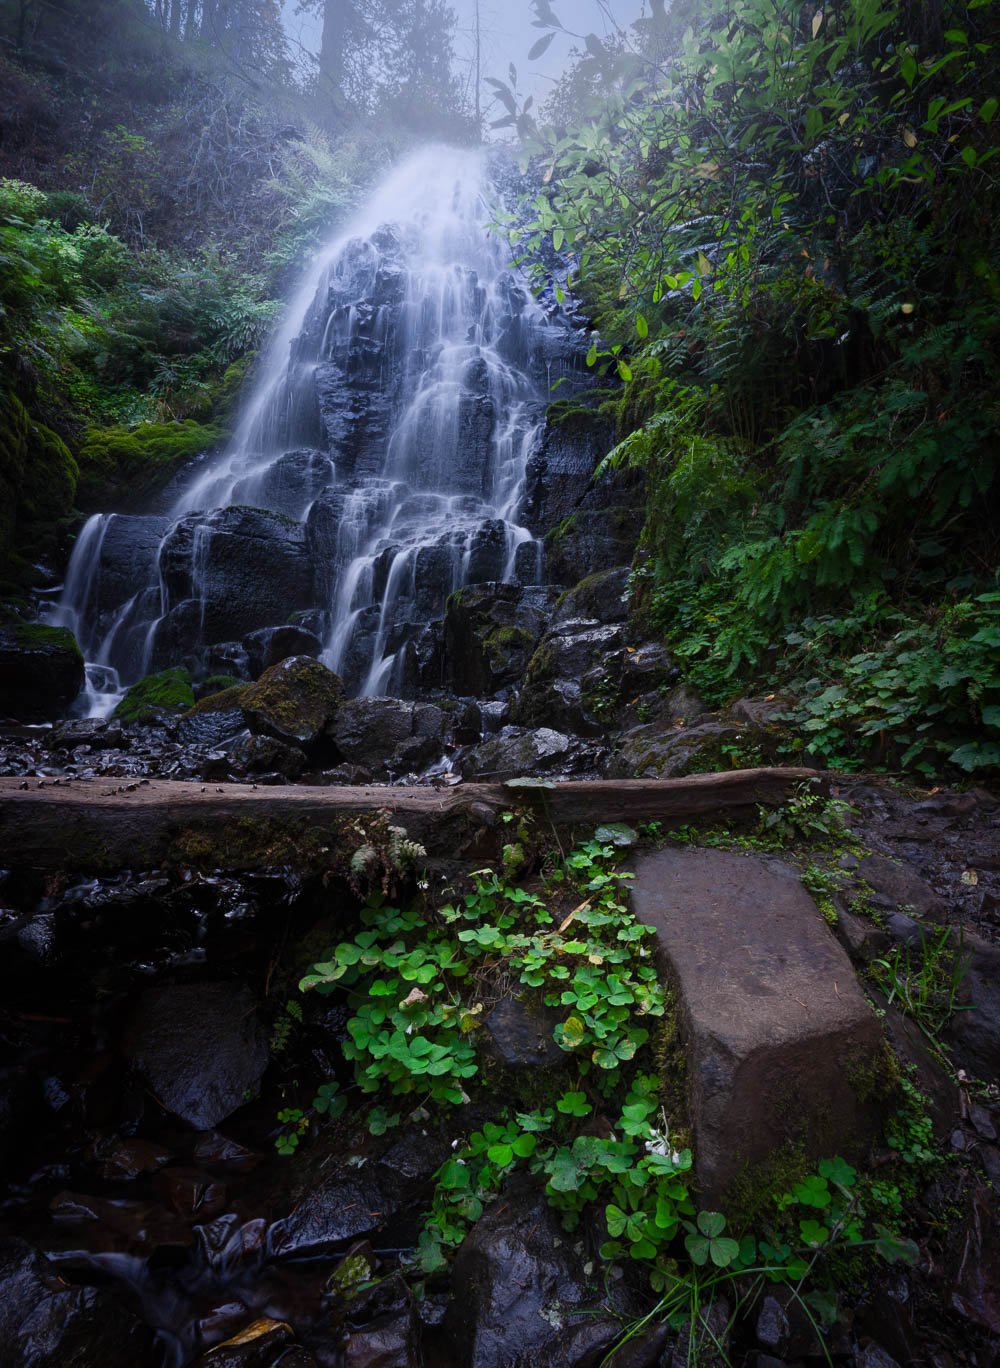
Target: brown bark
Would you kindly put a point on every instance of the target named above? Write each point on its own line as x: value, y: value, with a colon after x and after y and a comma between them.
x: 106, y: 823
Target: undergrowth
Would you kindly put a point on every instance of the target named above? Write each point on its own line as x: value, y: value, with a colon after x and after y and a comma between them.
x: 420, y: 982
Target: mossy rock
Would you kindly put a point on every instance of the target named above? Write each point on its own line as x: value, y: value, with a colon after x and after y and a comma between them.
x: 41, y: 671
x: 158, y: 694
x: 294, y: 701
x: 122, y: 468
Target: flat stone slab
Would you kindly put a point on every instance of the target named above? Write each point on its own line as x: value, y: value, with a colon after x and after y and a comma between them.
x: 782, y: 1045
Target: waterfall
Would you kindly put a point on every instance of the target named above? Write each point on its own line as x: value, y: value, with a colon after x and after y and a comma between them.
x: 379, y: 464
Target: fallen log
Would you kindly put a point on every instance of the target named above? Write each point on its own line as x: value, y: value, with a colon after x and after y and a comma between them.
x: 95, y: 824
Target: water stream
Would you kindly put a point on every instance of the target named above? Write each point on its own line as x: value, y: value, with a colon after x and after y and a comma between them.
x: 379, y: 464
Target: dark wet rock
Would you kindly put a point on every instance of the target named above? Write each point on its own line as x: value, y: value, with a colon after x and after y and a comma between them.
x: 294, y: 701
x: 244, y: 568
x: 863, y: 940
x: 682, y: 705
x: 516, y: 752
x: 258, y: 1345
x: 982, y: 1121
x: 389, y: 1341
x: 874, y: 1356
x: 385, y: 1193
x: 108, y: 1225
x: 124, y: 1158
x: 46, y: 1324
x: 783, y: 1046
x: 518, y: 1287
x: 190, y: 1191
x: 166, y: 694
x: 271, y: 645
x: 41, y: 671
x: 552, y: 694
x: 592, y: 540
x: 201, y: 1046
x: 643, y: 1351
x: 228, y: 660
x: 904, y: 929
x: 601, y: 598
x: 939, y: 1090
x: 888, y: 1319
x: 653, y: 751
x: 263, y: 754
x: 215, y: 1148
x: 974, y: 1030
x: 215, y: 720
x: 490, y: 634
x: 522, y: 1038
x: 896, y: 885
x: 387, y: 734
x: 97, y: 733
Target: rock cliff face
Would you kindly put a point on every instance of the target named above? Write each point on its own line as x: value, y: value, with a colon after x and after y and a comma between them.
x: 396, y: 449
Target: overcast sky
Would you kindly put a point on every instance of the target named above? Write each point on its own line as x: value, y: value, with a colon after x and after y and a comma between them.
x: 508, y: 35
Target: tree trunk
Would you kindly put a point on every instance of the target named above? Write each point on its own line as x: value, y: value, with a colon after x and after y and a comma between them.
x: 103, y: 824
x: 336, y: 21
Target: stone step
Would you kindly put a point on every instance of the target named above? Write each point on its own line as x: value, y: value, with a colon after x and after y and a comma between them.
x: 782, y: 1047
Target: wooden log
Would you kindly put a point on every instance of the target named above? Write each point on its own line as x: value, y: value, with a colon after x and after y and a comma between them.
x: 110, y: 824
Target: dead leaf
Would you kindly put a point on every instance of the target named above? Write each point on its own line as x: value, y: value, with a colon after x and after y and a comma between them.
x: 576, y: 911
x: 414, y: 995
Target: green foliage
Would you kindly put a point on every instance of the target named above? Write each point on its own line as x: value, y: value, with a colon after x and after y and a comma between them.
x: 413, y: 1027
x: 777, y: 220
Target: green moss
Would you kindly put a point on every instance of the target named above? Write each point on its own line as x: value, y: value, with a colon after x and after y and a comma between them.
x: 36, y: 636
x: 168, y: 691
x: 503, y: 641
x: 122, y: 467
x: 223, y: 701
x: 749, y: 1200
x: 875, y: 1076
x: 214, y: 684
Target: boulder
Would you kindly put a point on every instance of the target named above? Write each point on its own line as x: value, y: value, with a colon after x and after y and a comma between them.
x: 490, y: 634
x: 388, y: 736
x: 520, y: 1296
x: 44, y: 1323
x: 783, y: 1047
x: 897, y: 885
x: 654, y: 751
x: 265, y: 755
x: 600, y: 598
x: 553, y: 694
x: 271, y: 645
x: 516, y: 752
x: 295, y: 701
x: 201, y: 1047
x: 41, y: 671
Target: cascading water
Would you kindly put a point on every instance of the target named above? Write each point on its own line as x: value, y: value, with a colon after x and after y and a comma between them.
x: 380, y: 463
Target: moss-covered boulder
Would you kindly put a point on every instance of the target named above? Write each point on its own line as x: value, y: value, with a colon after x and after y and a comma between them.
x: 156, y: 696
x: 294, y: 701
x: 123, y: 468
x: 41, y: 671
